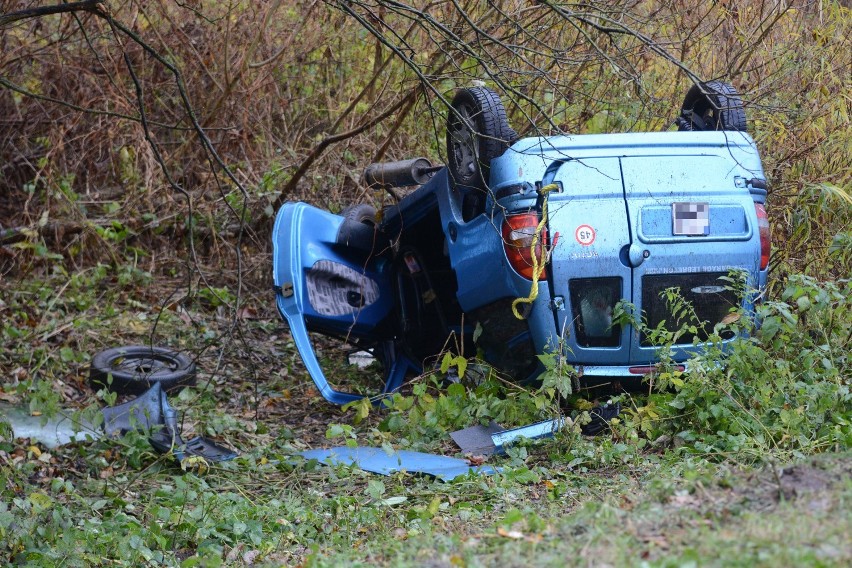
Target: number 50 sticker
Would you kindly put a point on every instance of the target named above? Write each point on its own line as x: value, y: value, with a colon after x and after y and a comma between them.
x: 585, y: 235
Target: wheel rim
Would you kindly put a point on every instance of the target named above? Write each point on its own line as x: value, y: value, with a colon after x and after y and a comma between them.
x: 143, y: 365
x: 464, y: 146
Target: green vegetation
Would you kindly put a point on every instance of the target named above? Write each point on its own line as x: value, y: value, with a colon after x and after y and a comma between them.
x: 700, y: 471
x: 111, y: 234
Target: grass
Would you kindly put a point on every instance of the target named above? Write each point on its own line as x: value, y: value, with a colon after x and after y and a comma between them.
x: 657, y: 519
x: 685, y: 477
x: 245, y: 512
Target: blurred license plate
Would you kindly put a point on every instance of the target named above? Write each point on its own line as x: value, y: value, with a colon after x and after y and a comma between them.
x: 691, y: 218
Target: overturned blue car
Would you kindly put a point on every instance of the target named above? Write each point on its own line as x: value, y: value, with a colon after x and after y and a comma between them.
x: 528, y: 245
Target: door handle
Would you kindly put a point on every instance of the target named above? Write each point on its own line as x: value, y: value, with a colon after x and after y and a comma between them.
x: 636, y: 255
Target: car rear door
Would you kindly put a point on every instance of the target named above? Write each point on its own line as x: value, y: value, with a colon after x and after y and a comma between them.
x: 587, y: 221
x: 691, y: 226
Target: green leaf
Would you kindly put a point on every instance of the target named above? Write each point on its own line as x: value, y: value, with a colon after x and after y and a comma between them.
x: 396, y: 500
x: 40, y: 501
x: 461, y: 362
x: 446, y: 362
x: 477, y: 332
x: 456, y: 390
x: 362, y: 409
x: 375, y: 489
x: 434, y: 506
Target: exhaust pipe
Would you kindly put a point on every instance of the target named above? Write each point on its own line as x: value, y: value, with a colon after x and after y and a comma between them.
x: 416, y: 171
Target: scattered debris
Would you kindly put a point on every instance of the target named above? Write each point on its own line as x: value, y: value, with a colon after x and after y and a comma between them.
x: 149, y: 412
x: 152, y: 409
x: 132, y: 369
x: 543, y: 429
x: 52, y: 432
x: 493, y: 439
x: 377, y: 460
x: 477, y: 440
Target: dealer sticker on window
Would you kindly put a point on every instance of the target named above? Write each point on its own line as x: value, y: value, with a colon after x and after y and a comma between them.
x: 690, y: 218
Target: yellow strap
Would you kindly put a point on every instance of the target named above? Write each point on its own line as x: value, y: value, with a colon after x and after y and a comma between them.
x: 538, y: 263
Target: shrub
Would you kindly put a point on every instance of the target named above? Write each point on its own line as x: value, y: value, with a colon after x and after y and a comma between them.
x: 785, y: 386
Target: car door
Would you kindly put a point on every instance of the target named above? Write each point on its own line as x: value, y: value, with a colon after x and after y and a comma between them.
x: 587, y: 221
x: 692, y: 223
x: 335, y: 287
x: 326, y: 282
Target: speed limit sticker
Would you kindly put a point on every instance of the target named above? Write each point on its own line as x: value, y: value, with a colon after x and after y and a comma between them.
x: 585, y: 235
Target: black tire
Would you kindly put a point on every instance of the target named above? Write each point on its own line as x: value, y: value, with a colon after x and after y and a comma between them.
x: 477, y: 132
x: 135, y: 368
x: 360, y: 231
x: 712, y: 106
x: 360, y: 213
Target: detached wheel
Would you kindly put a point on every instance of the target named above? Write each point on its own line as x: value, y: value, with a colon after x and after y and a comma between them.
x: 712, y: 106
x: 135, y: 368
x: 477, y: 132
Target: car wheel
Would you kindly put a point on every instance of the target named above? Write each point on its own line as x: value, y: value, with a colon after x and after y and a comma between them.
x: 712, y: 106
x: 477, y: 132
x: 136, y: 368
x: 359, y: 229
x: 360, y: 213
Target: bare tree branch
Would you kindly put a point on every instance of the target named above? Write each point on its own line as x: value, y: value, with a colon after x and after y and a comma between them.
x: 84, y: 6
x: 331, y: 139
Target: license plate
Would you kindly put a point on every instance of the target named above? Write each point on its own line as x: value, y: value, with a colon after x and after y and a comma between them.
x: 691, y: 219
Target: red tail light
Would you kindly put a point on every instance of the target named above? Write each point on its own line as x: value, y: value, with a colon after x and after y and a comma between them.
x: 763, y: 229
x: 518, y: 233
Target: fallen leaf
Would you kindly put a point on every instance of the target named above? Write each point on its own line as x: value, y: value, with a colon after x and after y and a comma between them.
x: 731, y: 318
x: 247, y: 313
x: 513, y: 534
x: 683, y: 499
x: 8, y: 397
x: 396, y: 500
x: 657, y: 540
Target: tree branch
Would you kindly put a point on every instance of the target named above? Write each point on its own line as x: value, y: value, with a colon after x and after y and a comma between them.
x: 331, y: 139
x: 84, y: 6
